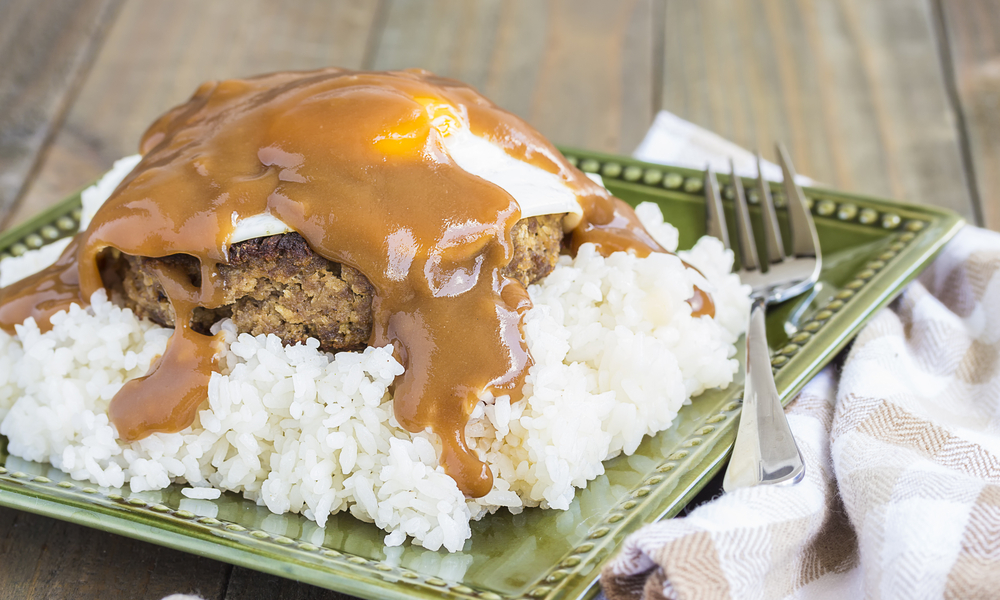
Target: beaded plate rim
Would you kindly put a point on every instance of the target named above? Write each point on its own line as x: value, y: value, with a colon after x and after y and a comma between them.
x: 914, y: 234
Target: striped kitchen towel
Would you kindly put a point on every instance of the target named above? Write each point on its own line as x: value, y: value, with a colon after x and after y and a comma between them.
x: 902, y: 448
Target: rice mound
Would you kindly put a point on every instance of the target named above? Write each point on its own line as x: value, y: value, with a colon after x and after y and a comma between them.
x: 616, y: 350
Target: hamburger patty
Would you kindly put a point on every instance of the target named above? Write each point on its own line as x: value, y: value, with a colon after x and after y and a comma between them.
x: 278, y: 285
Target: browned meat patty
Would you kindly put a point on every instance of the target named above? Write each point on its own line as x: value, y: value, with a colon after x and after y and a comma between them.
x: 279, y: 285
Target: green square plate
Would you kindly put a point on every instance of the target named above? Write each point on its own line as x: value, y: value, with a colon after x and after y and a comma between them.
x: 871, y: 249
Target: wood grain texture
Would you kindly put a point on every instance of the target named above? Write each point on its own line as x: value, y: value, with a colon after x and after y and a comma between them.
x: 46, y: 53
x: 972, y: 32
x: 45, y: 558
x: 854, y: 88
x: 580, y: 72
x: 245, y: 584
x: 157, y: 53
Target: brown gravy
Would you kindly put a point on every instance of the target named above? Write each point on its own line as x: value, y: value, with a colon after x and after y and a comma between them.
x: 353, y: 162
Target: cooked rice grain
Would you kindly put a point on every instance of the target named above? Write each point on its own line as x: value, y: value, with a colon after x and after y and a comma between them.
x: 616, y: 352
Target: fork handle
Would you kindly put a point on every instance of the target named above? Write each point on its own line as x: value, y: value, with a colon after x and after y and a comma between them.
x: 765, y: 451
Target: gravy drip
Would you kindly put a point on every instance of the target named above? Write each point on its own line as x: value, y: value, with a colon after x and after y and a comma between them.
x: 354, y: 162
x: 44, y: 294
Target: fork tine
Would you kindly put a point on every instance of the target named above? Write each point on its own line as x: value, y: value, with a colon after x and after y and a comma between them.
x: 744, y: 229
x: 715, y: 219
x: 772, y: 234
x: 805, y: 242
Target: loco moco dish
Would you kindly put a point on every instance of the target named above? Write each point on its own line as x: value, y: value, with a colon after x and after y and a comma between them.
x: 337, y: 211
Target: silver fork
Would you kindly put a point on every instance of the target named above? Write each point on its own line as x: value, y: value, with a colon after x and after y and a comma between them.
x: 765, y: 451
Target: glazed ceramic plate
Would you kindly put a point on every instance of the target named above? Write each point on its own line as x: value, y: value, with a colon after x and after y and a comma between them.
x: 871, y: 248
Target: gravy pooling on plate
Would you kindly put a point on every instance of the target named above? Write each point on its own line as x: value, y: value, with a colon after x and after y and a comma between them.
x: 355, y: 163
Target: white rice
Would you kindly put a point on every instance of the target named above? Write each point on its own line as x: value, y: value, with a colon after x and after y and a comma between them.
x: 202, y: 493
x: 16, y: 268
x: 616, y: 352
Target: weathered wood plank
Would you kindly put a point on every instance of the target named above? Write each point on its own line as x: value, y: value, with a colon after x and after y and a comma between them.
x: 972, y: 33
x: 45, y: 54
x: 158, y: 52
x: 854, y: 88
x: 45, y: 558
x: 580, y: 72
x: 245, y: 584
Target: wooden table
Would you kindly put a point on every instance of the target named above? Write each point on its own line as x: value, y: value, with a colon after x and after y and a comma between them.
x: 897, y: 98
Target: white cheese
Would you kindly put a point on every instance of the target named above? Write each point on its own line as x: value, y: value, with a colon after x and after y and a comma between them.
x: 257, y: 226
x: 536, y: 191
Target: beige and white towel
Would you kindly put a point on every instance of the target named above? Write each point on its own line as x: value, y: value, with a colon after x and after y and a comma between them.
x: 902, y: 449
